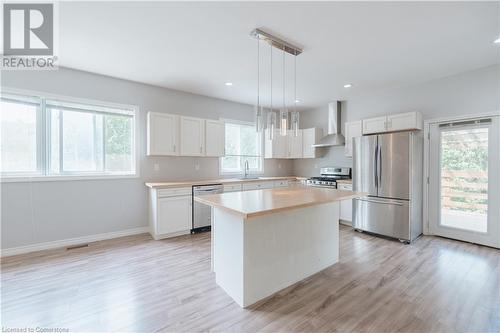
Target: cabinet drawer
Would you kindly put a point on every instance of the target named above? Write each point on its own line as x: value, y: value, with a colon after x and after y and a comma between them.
x: 173, y: 192
x: 346, y: 187
x: 257, y: 186
x: 281, y: 183
x: 232, y: 187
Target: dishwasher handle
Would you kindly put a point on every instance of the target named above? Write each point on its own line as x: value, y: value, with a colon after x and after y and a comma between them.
x: 204, y: 189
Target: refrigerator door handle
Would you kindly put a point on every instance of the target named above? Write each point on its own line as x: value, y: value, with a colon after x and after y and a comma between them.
x: 385, y: 202
x: 375, y: 169
x: 379, y: 165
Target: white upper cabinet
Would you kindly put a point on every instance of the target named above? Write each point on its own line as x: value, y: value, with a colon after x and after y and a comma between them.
x: 353, y: 129
x: 162, y: 134
x: 393, y: 123
x: 375, y: 125
x: 291, y: 146
x: 277, y: 148
x: 192, y: 136
x: 214, y: 138
x: 310, y: 136
x: 405, y: 121
x: 295, y: 145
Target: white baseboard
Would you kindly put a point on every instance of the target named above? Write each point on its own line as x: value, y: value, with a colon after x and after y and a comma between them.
x: 344, y: 222
x: 71, y: 241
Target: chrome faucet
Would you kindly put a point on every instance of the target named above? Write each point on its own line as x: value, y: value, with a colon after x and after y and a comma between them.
x: 247, y: 168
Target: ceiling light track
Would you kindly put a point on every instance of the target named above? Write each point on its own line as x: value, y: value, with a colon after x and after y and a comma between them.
x: 276, y: 42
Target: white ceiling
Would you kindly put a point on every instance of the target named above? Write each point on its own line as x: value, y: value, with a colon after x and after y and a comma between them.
x: 196, y: 47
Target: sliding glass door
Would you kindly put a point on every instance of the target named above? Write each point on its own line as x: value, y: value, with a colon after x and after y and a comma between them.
x: 464, y: 180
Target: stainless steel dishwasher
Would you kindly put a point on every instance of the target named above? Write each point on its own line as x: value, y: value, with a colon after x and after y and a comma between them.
x: 202, y: 214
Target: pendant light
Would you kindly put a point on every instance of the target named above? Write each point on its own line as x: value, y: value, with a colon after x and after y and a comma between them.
x: 284, y: 120
x: 284, y: 110
x: 271, y: 115
x: 294, y: 119
x: 259, y: 109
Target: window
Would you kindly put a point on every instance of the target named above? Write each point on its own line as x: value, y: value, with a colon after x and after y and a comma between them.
x: 243, y: 143
x: 49, y: 137
x: 19, y: 135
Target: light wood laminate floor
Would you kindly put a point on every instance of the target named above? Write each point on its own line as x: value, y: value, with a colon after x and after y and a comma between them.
x: 137, y: 284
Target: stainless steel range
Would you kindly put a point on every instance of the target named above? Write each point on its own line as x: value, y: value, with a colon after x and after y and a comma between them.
x: 329, y: 177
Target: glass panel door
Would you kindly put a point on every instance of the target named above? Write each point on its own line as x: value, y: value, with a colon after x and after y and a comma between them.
x: 464, y: 181
x: 464, y: 178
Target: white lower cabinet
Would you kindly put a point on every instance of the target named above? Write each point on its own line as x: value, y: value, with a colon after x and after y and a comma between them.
x: 257, y: 185
x: 281, y: 183
x: 170, y: 212
x: 174, y: 215
x: 232, y: 187
x: 345, y: 205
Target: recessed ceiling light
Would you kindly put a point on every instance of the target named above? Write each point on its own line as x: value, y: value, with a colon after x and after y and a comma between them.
x: 497, y: 41
x: 347, y: 85
x: 298, y: 100
x: 229, y: 84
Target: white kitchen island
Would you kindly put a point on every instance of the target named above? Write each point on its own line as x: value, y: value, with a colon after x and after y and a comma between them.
x: 266, y: 240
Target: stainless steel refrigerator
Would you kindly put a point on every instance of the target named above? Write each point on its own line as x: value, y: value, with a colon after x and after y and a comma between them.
x: 389, y: 168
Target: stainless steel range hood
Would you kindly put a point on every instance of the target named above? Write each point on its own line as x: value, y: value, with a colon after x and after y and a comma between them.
x: 334, y: 137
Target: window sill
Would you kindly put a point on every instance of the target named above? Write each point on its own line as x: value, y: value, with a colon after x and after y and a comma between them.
x: 28, y: 179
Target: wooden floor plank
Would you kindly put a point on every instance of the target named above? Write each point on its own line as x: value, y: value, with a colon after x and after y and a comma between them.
x: 138, y: 284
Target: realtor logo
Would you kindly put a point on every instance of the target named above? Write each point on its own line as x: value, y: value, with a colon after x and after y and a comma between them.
x: 30, y: 33
x: 28, y: 29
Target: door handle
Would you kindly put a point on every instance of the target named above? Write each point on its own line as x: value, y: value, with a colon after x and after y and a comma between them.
x: 395, y: 203
x: 375, y: 168
x: 379, y: 166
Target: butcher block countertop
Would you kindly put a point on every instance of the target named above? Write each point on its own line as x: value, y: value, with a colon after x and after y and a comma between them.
x: 261, y: 202
x: 218, y: 181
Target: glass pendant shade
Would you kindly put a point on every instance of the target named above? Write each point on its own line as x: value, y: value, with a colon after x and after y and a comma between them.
x: 295, y: 123
x: 283, y: 122
x: 271, y: 124
x: 259, y: 118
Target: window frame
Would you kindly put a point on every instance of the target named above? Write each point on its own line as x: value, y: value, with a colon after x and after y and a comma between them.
x: 43, y: 140
x: 260, y: 172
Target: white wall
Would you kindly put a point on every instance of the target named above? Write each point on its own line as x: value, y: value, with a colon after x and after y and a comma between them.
x: 38, y: 212
x: 468, y: 93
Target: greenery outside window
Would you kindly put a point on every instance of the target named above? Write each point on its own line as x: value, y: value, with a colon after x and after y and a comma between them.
x: 243, y: 144
x: 56, y: 137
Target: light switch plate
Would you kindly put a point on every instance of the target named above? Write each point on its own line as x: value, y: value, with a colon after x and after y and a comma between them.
x: 197, y: 166
x: 156, y: 166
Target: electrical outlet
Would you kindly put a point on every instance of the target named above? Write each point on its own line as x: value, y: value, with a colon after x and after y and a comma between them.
x: 156, y: 166
x: 197, y: 166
